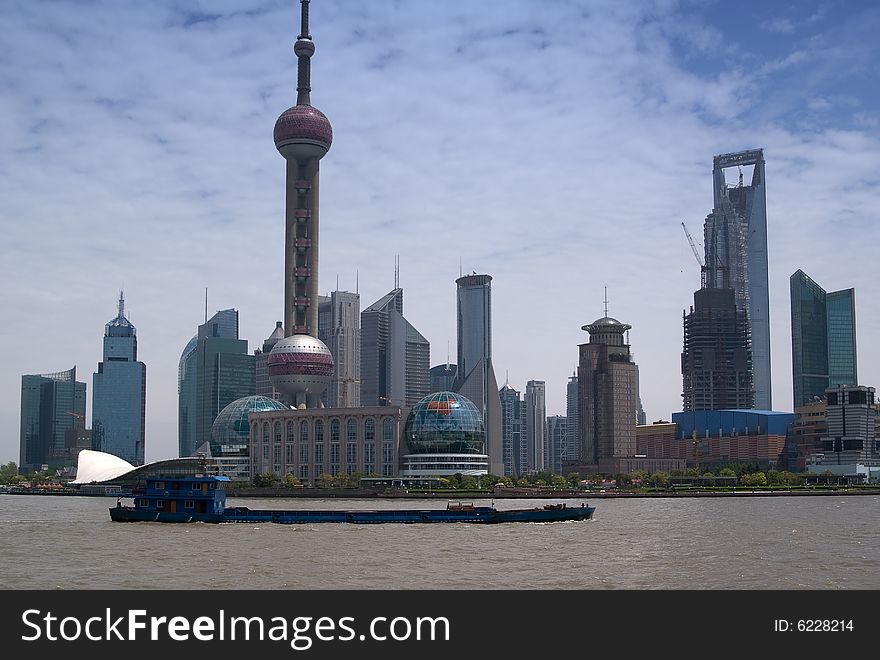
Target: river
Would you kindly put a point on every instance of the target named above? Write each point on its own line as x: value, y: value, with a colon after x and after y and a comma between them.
x: 802, y: 542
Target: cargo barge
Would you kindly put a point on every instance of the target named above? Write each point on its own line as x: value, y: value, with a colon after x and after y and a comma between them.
x: 203, y: 499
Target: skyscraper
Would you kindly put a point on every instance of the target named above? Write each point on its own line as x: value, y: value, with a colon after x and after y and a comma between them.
x: 571, y: 413
x: 300, y: 365
x: 51, y: 405
x: 606, y: 393
x: 557, y: 437
x: 475, y: 378
x: 214, y: 372
x: 823, y: 338
x: 339, y: 327
x: 442, y: 377
x: 261, y: 363
x: 716, y: 360
x: 512, y: 440
x: 536, y: 417
x: 119, y: 393
x: 736, y: 255
x: 395, y: 357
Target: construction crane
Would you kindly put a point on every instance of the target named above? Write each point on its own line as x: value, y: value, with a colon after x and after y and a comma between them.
x: 697, y: 255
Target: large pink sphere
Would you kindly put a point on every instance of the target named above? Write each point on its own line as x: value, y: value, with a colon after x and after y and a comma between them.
x: 300, y: 364
x: 303, y: 132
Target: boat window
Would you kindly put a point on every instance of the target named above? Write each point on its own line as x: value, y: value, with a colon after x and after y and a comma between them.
x: 142, y: 503
x: 160, y: 504
x: 160, y: 485
x: 188, y: 504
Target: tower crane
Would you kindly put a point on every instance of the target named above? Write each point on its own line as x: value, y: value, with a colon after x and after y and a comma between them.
x: 697, y: 255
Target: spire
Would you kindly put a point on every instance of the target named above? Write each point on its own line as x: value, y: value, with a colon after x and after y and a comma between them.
x: 606, y: 300
x: 304, y: 49
x: 121, y: 305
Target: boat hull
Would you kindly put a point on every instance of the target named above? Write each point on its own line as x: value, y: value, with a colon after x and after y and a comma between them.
x: 486, y: 515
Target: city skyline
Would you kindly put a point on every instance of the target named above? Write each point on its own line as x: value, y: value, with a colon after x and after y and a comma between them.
x: 168, y: 183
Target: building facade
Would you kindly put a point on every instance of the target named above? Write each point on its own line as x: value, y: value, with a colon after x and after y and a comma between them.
x: 512, y: 436
x: 442, y: 377
x: 557, y: 439
x: 735, y: 236
x: 119, y: 393
x: 339, y: 327
x: 823, y: 338
x: 51, y: 405
x: 851, y: 425
x: 395, y: 357
x: 263, y: 386
x: 537, y: 450
x: 716, y: 363
x: 310, y: 442
x: 571, y: 413
x: 606, y: 393
x: 475, y: 378
x: 214, y: 372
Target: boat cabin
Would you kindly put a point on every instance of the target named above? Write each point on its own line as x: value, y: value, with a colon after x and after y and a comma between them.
x: 196, y: 494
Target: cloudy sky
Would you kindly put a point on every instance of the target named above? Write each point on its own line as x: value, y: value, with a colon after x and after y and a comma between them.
x: 556, y: 145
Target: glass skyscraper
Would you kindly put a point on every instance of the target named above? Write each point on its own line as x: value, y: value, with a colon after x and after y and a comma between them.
x: 215, y: 370
x: 823, y: 338
x: 119, y: 393
x: 51, y: 405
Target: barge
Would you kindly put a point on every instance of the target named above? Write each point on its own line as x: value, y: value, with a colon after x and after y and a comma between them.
x: 203, y: 499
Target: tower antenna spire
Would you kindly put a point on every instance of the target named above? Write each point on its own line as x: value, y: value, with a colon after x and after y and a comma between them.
x: 206, y: 304
x: 606, y: 300
x: 121, y: 304
x: 304, y: 49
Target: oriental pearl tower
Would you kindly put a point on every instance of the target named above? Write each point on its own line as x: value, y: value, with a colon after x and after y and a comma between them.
x: 300, y: 365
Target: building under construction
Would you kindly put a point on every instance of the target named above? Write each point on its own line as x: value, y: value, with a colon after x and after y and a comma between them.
x: 716, y: 363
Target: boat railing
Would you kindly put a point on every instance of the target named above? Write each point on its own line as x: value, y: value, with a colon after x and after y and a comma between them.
x: 460, y: 506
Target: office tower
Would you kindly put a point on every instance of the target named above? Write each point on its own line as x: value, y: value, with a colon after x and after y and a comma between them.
x: 823, y: 338
x: 51, y: 405
x: 851, y: 419
x: 442, y: 377
x: 606, y: 393
x: 339, y: 327
x: 641, y: 417
x: 536, y: 416
x: 716, y: 360
x: 475, y: 378
x: 300, y: 365
x: 119, y: 393
x: 736, y: 255
x: 261, y: 364
x: 571, y: 413
x: 214, y: 372
x: 512, y: 440
x: 395, y: 357
x: 557, y: 438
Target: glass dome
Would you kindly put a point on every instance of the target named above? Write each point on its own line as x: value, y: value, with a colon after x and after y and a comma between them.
x: 445, y: 422
x: 230, y: 432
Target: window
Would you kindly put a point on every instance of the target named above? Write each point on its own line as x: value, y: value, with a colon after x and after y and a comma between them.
x: 290, y: 437
x: 188, y: 504
x: 304, y: 431
x: 387, y: 429
x: 351, y: 431
x: 319, y: 432
x: 369, y: 430
x: 334, y: 431
x: 303, y: 453
x: 160, y: 504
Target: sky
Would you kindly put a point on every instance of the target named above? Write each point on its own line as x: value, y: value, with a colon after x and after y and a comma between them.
x: 555, y: 145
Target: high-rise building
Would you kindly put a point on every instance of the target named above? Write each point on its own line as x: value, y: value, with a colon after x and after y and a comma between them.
x: 606, y: 393
x: 51, y: 405
x: 475, y: 378
x: 339, y: 327
x: 395, y: 357
x: 300, y: 365
x: 442, y: 377
x: 557, y: 438
x: 512, y: 438
x: 850, y: 416
x: 736, y: 255
x: 536, y: 417
x: 215, y: 372
x: 716, y: 360
x: 264, y: 386
x: 571, y: 413
x: 823, y: 338
x: 119, y: 393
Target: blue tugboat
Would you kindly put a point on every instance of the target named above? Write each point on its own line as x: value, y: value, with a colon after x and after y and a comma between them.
x: 203, y: 499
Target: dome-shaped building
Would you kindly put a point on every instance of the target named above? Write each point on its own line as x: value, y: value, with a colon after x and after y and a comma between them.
x: 230, y: 434
x: 445, y: 435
